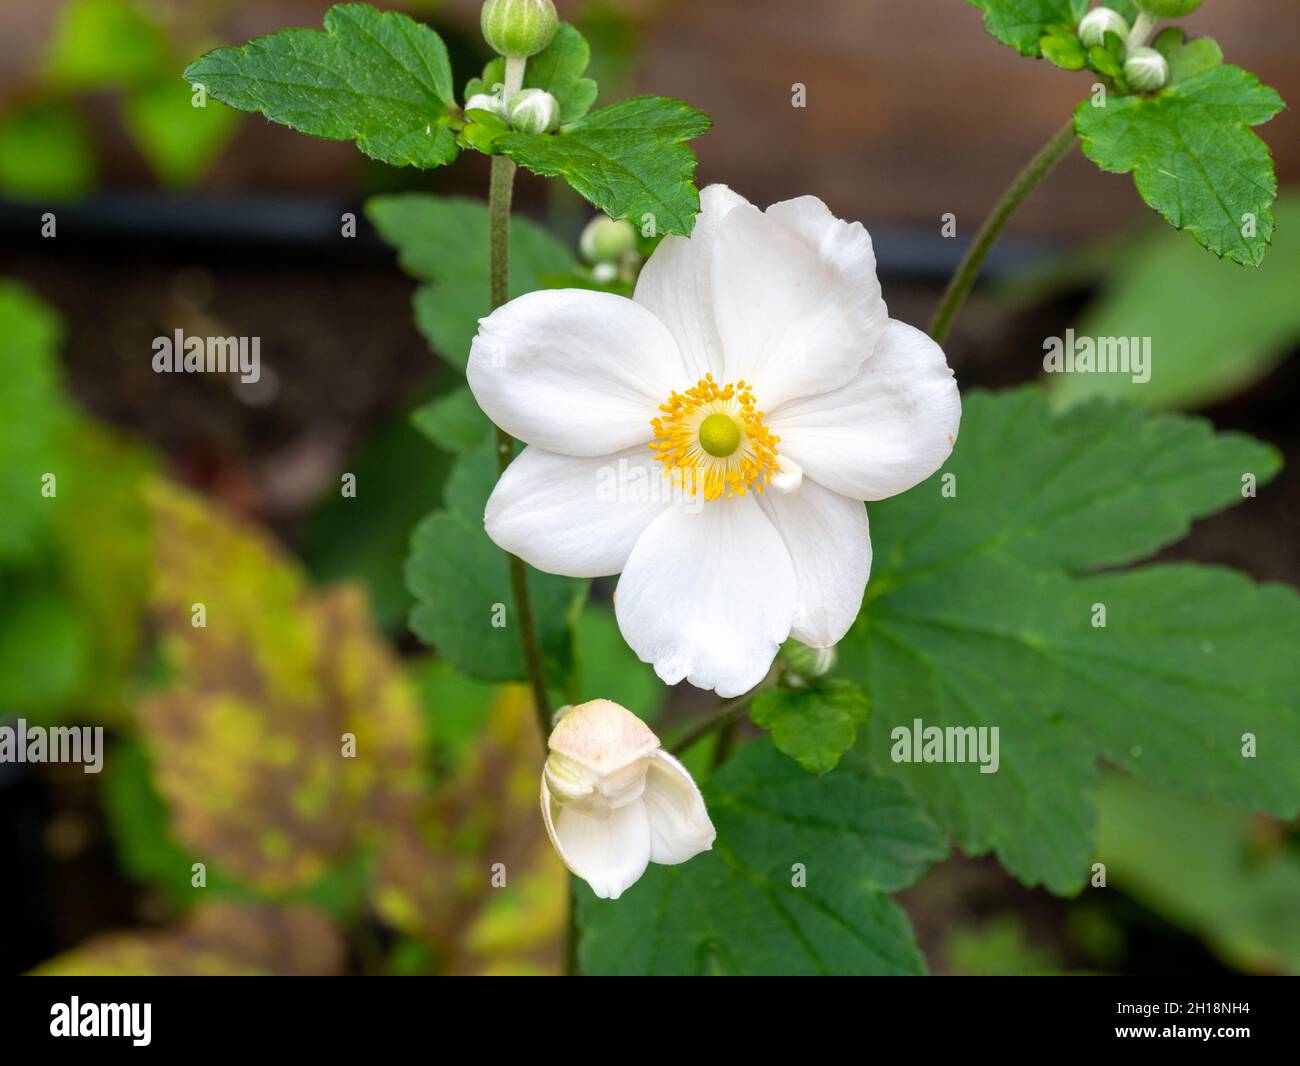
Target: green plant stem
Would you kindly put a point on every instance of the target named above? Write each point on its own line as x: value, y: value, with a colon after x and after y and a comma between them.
x: 729, y: 712
x: 500, y: 191
x: 964, y: 279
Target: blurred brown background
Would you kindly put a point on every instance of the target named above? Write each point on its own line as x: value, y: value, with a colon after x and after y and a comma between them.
x: 885, y: 135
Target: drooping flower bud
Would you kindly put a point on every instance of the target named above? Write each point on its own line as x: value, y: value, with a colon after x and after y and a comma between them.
x: 614, y: 801
x: 605, y: 239
x: 805, y: 661
x: 1100, y: 21
x: 1170, y: 9
x: 485, y: 102
x: 517, y: 29
x: 1146, y: 70
x: 534, y: 111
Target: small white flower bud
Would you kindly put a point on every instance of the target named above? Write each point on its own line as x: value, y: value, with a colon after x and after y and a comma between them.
x: 519, y: 28
x: 485, y: 102
x: 805, y: 661
x: 534, y: 111
x: 1146, y: 70
x: 1100, y: 21
x: 614, y: 801
x: 605, y: 239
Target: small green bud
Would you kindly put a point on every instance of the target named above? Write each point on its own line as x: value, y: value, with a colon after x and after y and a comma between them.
x: 1170, y: 9
x: 1146, y: 70
x: 1098, y: 22
x: 807, y: 662
x: 534, y: 111
x: 519, y: 28
x: 605, y: 239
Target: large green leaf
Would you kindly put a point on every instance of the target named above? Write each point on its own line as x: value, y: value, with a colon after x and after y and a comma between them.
x: 981, y: 612
x: 1193, y: 157
x: 739, y: 909
x: 629, y: 160
x: 443, y: 241
x: 460, y: 580
x: 380, y: 79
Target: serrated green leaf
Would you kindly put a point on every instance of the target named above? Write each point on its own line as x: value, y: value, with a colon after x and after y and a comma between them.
x: 1186, y: 58
x: 1064, y: 50
x: 460, y: 580
x: 629, y: 160
x: 1215, y: 329
x: 380, y: 79
x: 814, y: 725
x: 453, y: 421
x: 444, y: 242
x: 1192, y: 157
x: 737, y: 910
x: 557, y: 69
x: 1021, y: 24
x: 981, y: 612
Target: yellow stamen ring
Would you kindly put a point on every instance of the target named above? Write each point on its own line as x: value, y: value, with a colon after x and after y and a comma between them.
x: 712, y: 440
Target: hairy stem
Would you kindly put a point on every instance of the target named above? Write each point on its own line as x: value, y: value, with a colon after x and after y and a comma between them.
x: 964, y: 279
x: 500, y: 191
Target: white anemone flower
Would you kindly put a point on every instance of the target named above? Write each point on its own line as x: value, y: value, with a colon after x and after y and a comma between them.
x: 755, y: 355
x: 614, y: 801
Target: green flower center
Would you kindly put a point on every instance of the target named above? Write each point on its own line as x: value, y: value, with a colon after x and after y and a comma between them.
x: 719, y: 435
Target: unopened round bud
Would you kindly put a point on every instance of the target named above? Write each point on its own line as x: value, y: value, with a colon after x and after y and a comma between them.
x: 1170, y: 9
x: 485, y: 102
x: 805, y: 661
x: 1100, y: 21
x: 606, y: 239
x: 519, y: 28
x: 534, y: 111
x: 1146, y: 70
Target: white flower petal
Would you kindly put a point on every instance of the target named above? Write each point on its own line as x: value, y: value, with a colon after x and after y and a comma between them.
x: 679, y: 823
x: 830, y: 545
x: 708, y: 595
x: 610, y: 854
x: 676, y: 283
x: 576, y: 516
x: 796, y: 298
x: 891, y: 427
x: 573, y: 371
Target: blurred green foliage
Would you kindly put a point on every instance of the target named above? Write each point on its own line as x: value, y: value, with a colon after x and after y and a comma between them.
x: 134, y: 51
x: 1216, y: 328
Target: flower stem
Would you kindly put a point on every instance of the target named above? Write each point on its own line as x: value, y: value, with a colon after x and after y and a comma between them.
x: 1142, y: 27
x: 964, y: 279
x: 729, y: 712
x: 500, y: 191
